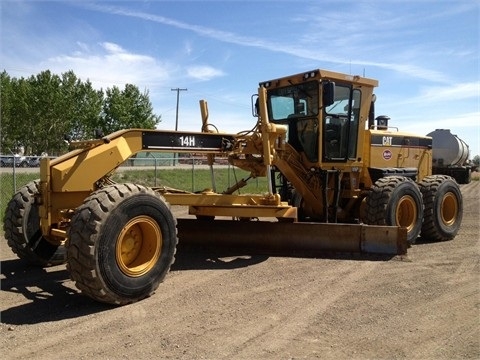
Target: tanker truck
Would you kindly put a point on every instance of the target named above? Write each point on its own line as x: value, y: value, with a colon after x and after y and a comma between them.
x: 450, y: 156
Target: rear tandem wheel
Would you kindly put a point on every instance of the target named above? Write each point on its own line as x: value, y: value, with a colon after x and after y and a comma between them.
x: 443, y: 208
x: 396, y: 201
x: 23, y: 233
x: 122, y: 242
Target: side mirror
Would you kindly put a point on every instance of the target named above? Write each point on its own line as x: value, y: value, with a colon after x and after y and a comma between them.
x: 328, y: 93
x: 255, y: 109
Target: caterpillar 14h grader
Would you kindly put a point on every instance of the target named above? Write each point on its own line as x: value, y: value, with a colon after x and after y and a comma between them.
x: 339, y: 180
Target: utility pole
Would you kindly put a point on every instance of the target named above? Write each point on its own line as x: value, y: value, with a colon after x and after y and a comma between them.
x: 178, y: 100
x: 176, y: 117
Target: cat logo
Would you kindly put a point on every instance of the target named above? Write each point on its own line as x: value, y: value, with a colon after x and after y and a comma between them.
x: 387, y: 141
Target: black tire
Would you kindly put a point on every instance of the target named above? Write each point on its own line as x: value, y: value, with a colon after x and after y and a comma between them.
x: 122, y: 242
x: 22, y: 230
x: 396, y: 201
x: 297, y: 201
x: 443, y: 208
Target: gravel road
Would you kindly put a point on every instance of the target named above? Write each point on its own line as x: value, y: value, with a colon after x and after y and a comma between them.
x: 219, y: 305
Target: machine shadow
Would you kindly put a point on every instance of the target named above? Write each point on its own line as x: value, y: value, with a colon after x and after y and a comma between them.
x: 50, y: 298
x: 209, y: 257
x: 422, y: 241
x: 218, y: 256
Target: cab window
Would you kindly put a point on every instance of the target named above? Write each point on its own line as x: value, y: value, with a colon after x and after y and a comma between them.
x: 340, y: 125
x: 293, y: 101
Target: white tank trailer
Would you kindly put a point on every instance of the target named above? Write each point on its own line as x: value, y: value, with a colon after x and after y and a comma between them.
x: 451, y: 156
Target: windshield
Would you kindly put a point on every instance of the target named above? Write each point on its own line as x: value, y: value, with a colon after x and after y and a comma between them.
x: 293, y: 101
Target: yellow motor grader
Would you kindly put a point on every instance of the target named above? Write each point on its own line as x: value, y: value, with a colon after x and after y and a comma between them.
x: 339, y: 179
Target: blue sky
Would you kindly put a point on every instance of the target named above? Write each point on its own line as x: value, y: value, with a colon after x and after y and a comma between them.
x: 425, y: 54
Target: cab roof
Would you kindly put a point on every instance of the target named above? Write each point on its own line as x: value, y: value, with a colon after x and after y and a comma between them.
x: 320, y: 75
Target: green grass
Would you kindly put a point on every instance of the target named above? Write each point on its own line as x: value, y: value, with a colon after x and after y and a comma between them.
x: 9, y: 185
x: 192, y: 180
x: 183, y: 179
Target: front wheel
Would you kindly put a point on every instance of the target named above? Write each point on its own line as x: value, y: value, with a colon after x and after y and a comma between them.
x: 443, y: 208
x: 396, y: 201
x: 122, y: 242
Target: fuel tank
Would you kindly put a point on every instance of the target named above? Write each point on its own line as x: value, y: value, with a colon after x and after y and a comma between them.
x: 448, y: 149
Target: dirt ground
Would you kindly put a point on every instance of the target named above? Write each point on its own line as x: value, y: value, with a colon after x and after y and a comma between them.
x: 218, y: 305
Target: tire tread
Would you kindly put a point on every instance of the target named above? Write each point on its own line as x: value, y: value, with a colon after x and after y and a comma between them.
x: 81, y: 250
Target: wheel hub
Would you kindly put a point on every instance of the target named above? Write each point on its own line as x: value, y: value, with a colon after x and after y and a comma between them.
x: 138, y: 246
x: 449, y: 209
x: 406, y: 212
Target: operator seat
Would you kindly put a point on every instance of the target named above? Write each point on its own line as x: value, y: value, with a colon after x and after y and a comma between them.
x: 332, y: 140
x: 293, y: 139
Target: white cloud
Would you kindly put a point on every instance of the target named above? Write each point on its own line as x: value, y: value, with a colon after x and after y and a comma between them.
x: 109, y: 65
x: 439, y: 97
x: 203, y: 72
x: 113, y: 48
x: 188, y: 48
x: 449, y: 93
x: 467, y: 120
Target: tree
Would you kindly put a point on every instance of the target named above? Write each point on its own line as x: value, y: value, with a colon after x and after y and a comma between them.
x: 84, y: 105
x: 65, y: 107
x: 6, y: 127
x: 127, y: 109
x: 47, y: 120
x: 37, y: 113
x: 476, y: 162
x: 14, y: 109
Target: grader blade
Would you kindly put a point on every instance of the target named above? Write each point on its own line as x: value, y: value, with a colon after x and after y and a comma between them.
x: 294, y: 237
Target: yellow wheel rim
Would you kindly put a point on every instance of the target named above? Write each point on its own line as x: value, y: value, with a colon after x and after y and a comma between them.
x: 449, y: 209
x: 138, y: 246
x: 406, y: 215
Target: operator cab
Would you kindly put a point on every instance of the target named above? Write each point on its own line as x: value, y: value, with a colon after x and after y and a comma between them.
x: 322, y: 115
